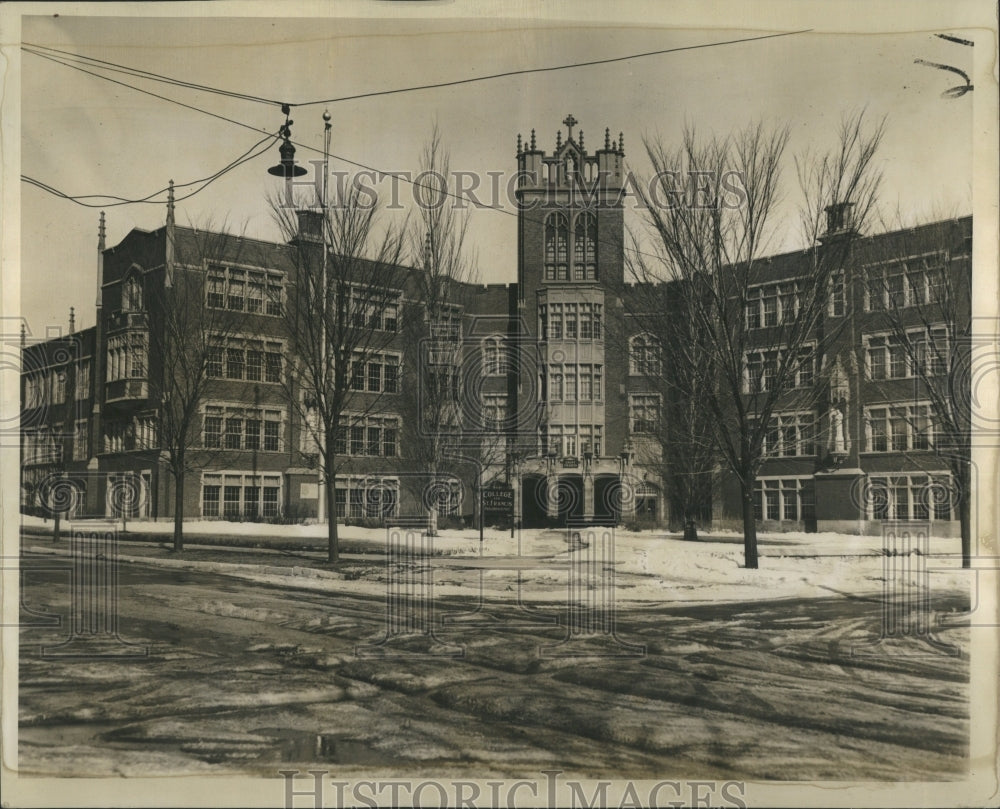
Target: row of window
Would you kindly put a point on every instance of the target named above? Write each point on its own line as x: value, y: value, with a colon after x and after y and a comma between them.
x: 370, y: 436
x: 914, y: 282
x: 41, y: 445
x: 772, y: 304
x: 763, y: 366
x: 127, y: 355
x: 910, y: 497
x: 234, y: 495
x: 242, y: 428
x: 644, y: 412
x: 250, y: 360
x: 372, y: 308
x: 790, y: 435
x: 240, y: 290
x: 899, y: 428
x: 572, y: 382
x: 494, y: 356
x: 378, y: 373
x: 557, y: 257
x: 49, y: 387
x: 921, y: 352
x: 126, y: 435
x: 900, y: 284
x: 570, y: 440
x: 372, y: 497
x: 494, y: 410
x: 786, y: 499
x: 570, y: 321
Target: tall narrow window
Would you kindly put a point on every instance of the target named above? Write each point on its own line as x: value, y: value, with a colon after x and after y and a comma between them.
x: 838, y: 296
x: 556, y: 247
x: 585, y: 248
x: 132, y: 293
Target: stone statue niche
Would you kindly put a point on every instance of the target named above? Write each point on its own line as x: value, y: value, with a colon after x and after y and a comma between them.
x: 838, y: 444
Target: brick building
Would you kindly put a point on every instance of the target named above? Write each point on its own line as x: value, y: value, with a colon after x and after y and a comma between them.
x: 551, y: 382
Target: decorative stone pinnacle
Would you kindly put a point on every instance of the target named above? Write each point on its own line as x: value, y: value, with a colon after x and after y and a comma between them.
x: 519, y: 144
x: 607, y: 139
x: 532, y: 140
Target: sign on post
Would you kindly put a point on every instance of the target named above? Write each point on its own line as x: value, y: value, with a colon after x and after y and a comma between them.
x: 498, y: 504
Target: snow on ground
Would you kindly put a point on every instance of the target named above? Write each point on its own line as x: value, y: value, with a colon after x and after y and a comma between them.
x: 649, y: 566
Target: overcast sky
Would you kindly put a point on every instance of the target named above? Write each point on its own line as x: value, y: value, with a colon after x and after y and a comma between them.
x: 84, y: 135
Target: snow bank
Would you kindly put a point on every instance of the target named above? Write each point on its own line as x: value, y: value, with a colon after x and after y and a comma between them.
x: 648, y: 567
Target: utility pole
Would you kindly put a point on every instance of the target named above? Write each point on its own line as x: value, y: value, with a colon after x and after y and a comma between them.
x: 321, y: 433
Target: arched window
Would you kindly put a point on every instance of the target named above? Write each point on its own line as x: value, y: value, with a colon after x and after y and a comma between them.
x: 585, y: 248
x: 132, y: 293
x: 556, y: 247
x: 644, y: 356
x: 494, y: 358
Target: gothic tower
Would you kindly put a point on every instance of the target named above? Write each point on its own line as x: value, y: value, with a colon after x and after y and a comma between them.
x: 570, y: 265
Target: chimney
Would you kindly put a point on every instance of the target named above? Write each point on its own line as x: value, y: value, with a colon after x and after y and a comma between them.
x: 839, y: 219
x: 310, y: 225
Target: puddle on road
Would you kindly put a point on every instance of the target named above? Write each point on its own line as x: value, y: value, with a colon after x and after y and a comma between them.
x: 300, y: 746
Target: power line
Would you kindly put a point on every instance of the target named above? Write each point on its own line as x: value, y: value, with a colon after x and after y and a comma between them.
x: 139, y: 73
x: 204, y: 182
x: 342, y: 159
x: 59, y: 61
x: 550, y: 69
x: 308, y: 147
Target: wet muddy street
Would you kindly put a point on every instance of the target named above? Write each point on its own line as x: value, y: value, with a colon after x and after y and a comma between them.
x: 225, y: 675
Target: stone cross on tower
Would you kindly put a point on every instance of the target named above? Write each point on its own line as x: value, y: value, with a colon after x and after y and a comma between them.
x: 570, y: 122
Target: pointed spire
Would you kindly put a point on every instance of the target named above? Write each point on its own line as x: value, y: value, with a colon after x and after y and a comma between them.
x: 607, y: 139
x: 621, y: 144
x: 558, y: 139
x: 101, y: 233
x: 170, y: 204
x: 532, y: 140
x: 581, y: 140
x: 72, y: 321
x: 519, y: 150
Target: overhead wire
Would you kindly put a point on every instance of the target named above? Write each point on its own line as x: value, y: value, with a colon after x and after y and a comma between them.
x: 138, y: 72
x: 308, y: 147
x: 62, y: 60
x: 149, y: 199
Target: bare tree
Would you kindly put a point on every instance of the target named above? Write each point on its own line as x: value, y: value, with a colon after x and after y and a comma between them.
x: 343, y: 313
x: 674, y: 434
x: 437, y: 238
x: 918, y: 287
x: 187, y: 335
x: 711, y: 207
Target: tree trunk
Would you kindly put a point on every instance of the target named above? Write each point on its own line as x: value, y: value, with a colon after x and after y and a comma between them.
x: 432, y: 506
x: 965, y: 517
x: 56, y: 535
x: 179, y: 510
x: 332, y: 540
x: 749, y: 527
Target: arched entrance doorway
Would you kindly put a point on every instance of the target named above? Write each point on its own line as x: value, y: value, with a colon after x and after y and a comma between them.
x: 534, y: 499
x: 569, y: 499
x: 607, y: 499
